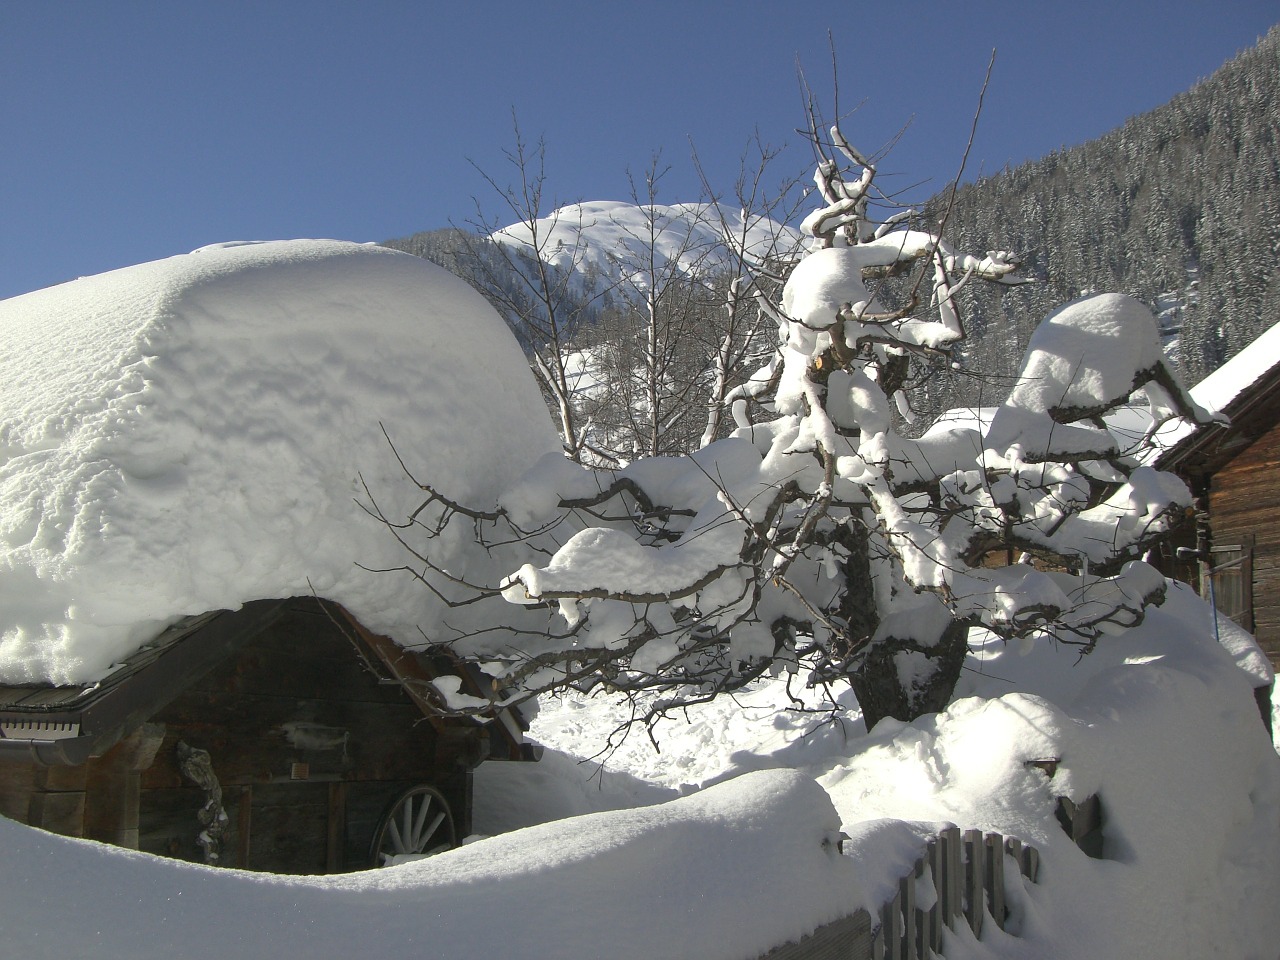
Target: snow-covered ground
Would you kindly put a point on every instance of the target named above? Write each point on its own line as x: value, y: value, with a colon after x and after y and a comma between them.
x: 1162, y: 725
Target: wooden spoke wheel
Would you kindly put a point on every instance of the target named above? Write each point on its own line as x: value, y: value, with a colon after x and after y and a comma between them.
x: 417, y: 824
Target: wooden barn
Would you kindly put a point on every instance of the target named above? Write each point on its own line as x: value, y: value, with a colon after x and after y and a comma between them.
x: 1234, y: 473
x: 281, y: 737
x: 186, y: 438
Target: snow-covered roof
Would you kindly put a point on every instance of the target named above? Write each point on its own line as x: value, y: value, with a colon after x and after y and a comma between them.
x: 194, y: 433
x: 1215, y: 393
x: 1240, y: 372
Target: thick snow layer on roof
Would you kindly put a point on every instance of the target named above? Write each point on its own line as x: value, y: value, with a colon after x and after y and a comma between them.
x: 1215, y: 393
x: 191, y: 434
x: 1240, y: 372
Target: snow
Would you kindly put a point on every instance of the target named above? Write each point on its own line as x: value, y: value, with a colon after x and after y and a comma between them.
x: 1240, y: 372
x: 639, y: 883
x: 1214, y: 393
x: 1160, y: 723
x: 1083, y: 359
x: 600, y: 235
x: 192, y: 434
x: 195, y: 433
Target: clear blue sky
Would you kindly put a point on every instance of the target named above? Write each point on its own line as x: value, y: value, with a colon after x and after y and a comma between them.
x: 137, y: 130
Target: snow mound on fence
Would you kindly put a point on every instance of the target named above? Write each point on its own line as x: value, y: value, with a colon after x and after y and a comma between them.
x: 194, y: 433
x: 683, y: 879
x: 1161, y: 723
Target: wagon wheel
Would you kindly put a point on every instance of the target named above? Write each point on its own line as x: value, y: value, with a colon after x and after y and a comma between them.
x: 418, y: 824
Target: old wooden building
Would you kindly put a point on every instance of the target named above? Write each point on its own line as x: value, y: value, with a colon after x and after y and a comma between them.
x: 1234, y: 473
x: 281, y: 737
x: 185, y: 438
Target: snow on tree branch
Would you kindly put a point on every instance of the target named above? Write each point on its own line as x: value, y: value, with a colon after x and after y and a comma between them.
x: 822, y: 541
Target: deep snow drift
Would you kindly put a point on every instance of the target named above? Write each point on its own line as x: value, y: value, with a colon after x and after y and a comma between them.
x: 1160, y: 723
x: 190, y: 434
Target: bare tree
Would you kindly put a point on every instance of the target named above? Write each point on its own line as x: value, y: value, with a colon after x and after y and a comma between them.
x: 645, y: 345
x: 523, y: 265
x: 760, y: 252
x: 818, y: 540
x: 684, y: 326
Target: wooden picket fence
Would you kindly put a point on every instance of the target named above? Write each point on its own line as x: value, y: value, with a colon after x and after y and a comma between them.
x: 960, y: 879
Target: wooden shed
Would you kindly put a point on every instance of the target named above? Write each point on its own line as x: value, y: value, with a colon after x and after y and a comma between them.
x: 187, y: 437
x: 281, y: 737
x: 1234, y: 473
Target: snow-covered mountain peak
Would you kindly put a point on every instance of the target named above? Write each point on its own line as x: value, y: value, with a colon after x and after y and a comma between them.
x: 611, y: 236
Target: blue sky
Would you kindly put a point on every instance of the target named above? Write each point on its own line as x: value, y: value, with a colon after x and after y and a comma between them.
x: 137, y: 130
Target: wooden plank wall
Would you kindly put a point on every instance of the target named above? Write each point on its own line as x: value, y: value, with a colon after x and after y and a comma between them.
x: 291, y: 716
x: 1244, y: 498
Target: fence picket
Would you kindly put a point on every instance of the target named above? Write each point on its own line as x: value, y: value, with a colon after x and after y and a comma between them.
x: 994, y: 878
x: 939, y: 918
x: 1030, y: 863
x: 967, y: 873
x: 907, y: 893
x: 974, y: 875
x: 952, y: 876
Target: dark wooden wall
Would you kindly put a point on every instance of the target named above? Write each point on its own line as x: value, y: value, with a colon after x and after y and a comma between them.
x: 1244, y: 499
x: 309, y: 745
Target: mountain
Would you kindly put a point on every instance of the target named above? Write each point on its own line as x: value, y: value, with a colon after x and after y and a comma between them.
x: 1179, y: 207
x: 607, y: 246
x: 615, y: 238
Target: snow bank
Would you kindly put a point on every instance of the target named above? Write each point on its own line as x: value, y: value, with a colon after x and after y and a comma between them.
x: 191, y: 434
x: 1159, y: 722
x: 714, y: 875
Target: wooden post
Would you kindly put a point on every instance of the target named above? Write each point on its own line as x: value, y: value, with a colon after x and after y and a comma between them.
x: 336, y: 838
x: 907, y: 895
x: 1013, y: 847
x: 934, y: 918
x: 893, y: 929
x: 113, y: 787
x: 951, y: 876
x: 974, y: 875
x: 1030, y: 863
x: 920, y: 922
x: 994, y: 880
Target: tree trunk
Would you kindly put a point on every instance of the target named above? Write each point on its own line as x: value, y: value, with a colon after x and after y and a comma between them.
x: 932, y: 671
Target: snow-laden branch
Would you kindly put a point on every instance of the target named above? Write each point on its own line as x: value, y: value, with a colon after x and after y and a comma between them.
x: 816, y: 538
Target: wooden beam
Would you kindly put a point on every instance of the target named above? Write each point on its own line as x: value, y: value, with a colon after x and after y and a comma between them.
x: 405, y: 668
x: 336, y: 838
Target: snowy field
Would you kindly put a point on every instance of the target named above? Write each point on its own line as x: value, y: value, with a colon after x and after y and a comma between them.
x: 128, y: 452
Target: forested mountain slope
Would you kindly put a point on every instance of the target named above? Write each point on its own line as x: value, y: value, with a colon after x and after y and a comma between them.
x: 1179, y: 207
